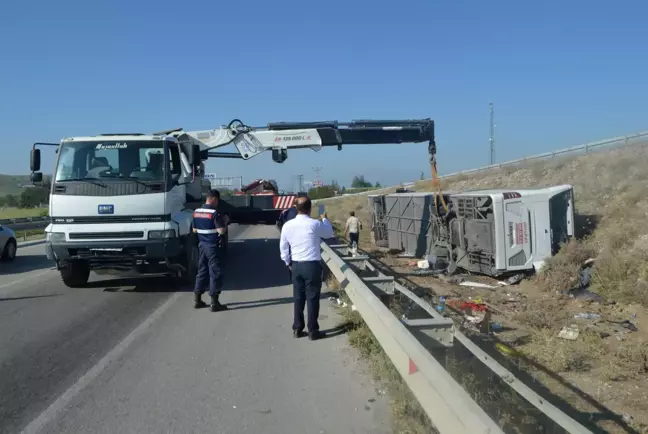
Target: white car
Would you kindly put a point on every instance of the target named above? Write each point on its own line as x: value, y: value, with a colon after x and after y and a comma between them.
x: 8, y: 244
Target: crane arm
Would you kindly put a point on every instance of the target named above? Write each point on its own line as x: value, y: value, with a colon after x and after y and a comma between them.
x: 281, y: 136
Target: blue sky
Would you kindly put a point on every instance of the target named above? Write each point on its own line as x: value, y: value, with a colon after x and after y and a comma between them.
x: 559, y: 73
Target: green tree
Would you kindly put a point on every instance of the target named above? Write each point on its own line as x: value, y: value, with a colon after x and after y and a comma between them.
x: 422, y: 175
x: 377, y: 185
x: 321, y: 192
x: 11, y: 200
x: 33, y: 197
x: 360, y: 182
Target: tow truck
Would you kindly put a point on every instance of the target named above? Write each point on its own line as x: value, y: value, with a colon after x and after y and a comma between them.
x: 261, y: 201
x: 124, y: 201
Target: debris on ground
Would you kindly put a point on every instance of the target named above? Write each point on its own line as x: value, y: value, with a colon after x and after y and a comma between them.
x: 495, y: 326
x: 452, y: 279
x: 515, y: 279
x: 468, y: 307
x: 570, y: 333
x: 583, y: 315
x: 476, y: 285
x: 582, y: 291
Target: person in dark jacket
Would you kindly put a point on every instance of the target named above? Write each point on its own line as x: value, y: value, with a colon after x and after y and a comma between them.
x: 209, y: 225
x: 286, y: 215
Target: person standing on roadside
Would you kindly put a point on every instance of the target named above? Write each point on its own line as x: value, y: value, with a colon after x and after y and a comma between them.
x: 352, y: 228
x: 300, y: 250
x: 209, y: 225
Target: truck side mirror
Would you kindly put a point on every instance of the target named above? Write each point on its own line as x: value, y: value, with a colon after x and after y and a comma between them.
x: 36, y: 177
x: 34, y: 160
x: 196, y: 155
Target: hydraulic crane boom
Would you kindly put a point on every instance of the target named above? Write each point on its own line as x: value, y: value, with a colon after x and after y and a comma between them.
x: 281, y: 136
x: 124, y: 201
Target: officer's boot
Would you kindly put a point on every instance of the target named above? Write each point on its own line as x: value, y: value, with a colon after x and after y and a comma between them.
x: 215, y: 304
x: 198, y: 303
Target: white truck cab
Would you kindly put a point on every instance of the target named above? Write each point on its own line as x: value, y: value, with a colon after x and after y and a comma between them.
x: 122, y: 202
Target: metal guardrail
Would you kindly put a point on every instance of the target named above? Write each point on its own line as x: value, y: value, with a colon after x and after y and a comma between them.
x: 620, y: 141
x: 447, y: 404
x: 26, y: 223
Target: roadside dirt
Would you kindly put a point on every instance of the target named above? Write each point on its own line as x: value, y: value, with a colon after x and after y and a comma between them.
x: 601, y: 374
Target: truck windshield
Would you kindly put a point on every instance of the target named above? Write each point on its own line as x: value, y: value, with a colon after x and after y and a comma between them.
x: 142, y: 160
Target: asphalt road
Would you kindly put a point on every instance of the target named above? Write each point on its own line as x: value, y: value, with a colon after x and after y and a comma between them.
x: 133, y: 356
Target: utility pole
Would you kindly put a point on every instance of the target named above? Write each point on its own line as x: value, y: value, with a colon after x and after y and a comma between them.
x: 492, y: 135
x: 300, y: 183
x: 317, y: 170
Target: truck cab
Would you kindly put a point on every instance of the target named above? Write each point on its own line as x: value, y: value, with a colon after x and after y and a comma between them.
x: 124, y: 203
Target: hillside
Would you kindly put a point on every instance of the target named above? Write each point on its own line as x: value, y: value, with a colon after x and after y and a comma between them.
x: 603, y: 372
x: 12, y: 184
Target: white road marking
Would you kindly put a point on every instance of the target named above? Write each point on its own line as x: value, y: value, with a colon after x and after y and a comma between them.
x: 62, y: 401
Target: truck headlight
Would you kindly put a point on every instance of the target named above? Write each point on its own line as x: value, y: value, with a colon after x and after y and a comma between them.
x: 162, y: 235
x: 55, y: 237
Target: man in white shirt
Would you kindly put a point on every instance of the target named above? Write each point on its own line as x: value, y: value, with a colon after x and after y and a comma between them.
x: 300, y: 250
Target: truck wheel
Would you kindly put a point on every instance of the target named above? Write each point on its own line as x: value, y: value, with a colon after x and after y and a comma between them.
x: 75, y: 274
x: 190, y: 262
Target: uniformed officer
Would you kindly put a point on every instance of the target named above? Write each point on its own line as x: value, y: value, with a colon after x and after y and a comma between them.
x: 209, y: 225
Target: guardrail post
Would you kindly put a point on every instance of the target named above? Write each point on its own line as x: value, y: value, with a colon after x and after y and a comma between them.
x: 383, y: 287
x: 25, y: 235
x: 431, y: 331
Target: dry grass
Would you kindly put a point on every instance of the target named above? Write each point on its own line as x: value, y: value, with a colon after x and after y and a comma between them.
x: 612, y: 227
x: 407, y: 415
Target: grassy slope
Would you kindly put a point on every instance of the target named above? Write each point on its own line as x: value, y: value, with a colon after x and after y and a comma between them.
x: 612, y: 225
x: 12, y: 184
x: 13, y: 213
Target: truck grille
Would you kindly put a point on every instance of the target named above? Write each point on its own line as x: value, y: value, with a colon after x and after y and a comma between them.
x: 105, y: 235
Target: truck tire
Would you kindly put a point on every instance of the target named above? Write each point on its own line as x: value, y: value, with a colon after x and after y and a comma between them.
x: 75, y: 274
x: 190, y: 261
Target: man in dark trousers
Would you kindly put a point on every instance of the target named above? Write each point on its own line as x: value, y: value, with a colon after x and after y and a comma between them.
x: 209, y: 225
x: 300, y: 250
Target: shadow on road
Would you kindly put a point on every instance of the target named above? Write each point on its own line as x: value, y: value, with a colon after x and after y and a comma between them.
x: 335, y: 331
x: 254, y: 264
x: 25, y: 264
x: 266, y: 302
x: 153, y: 284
